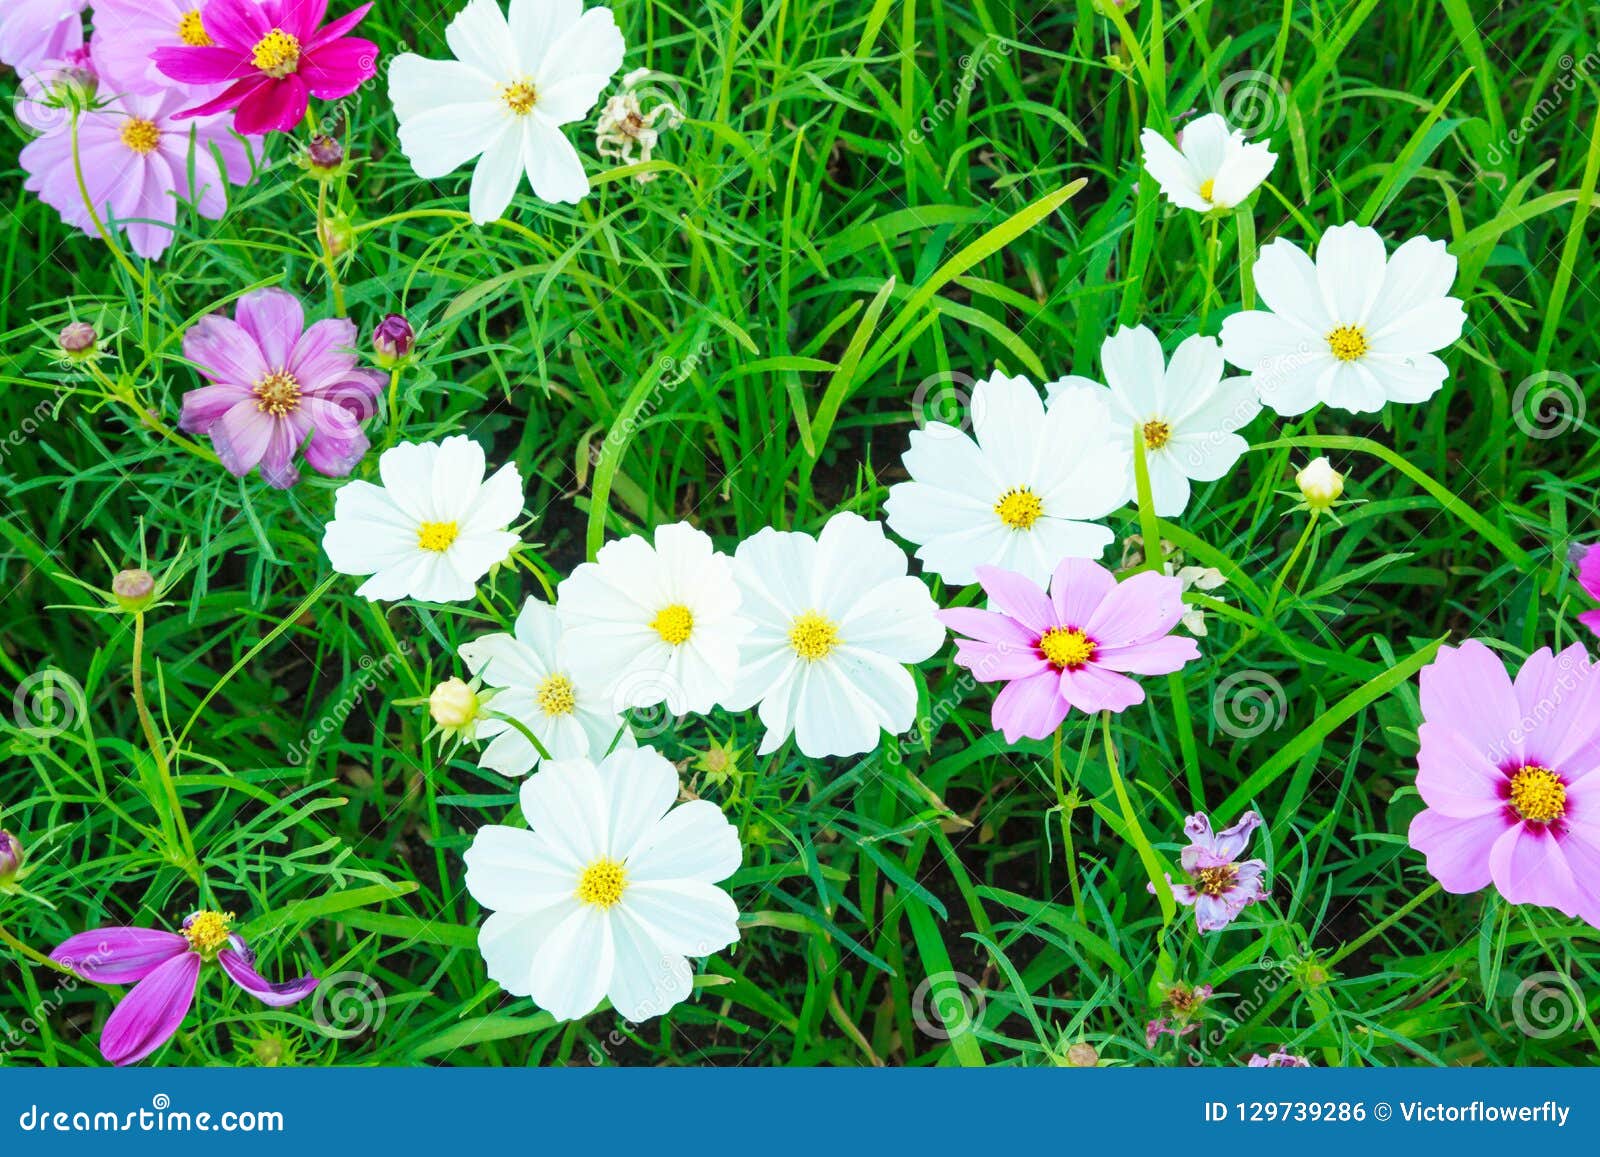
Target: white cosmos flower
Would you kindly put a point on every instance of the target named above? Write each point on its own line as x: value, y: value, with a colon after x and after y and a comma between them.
x: 1019, y: 495
x: 432, y: 530
x: 609, y: 892
x: 1354, y: 330
x: 1212, y: 168
x: 836, y: 617
x: 503, y: 99
x: 535, y: 686
x: 655, y: 624
x: 1186, y: 412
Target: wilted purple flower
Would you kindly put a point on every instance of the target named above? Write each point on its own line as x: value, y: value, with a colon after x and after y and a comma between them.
x: 164, y: 969
x: 393, y: 338
x: 1161, y: 1026
x: 1277, y: 1061
x: 1223, y: 885
x: 277, y: 383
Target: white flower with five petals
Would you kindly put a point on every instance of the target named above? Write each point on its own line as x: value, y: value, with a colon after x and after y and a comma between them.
x: 1212, y: 168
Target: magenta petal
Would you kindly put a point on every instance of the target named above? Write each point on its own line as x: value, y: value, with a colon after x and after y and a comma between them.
x: 334, y: 29
x: 300, y: 18
x: 338, y: 69
x: 1457, y: 850
x: 118, y: 955
x: 1030, y: 708
x: 1591, y: 619
x: 1018, y: 597
x: 228, y: 98
x: 241, y: 437
x: 236, y: 23
x: 1094, y: 689
x: 276, y: 106
x: 247, y: 978
x: 202, y: 66
x: 151, y: 1012
x: 275, y: 319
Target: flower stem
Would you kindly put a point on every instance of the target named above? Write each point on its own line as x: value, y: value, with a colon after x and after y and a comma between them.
x: 158, y: 749
x: 1267, y: 615
x: 32, y: 954
x: 88, y: 203
x: 1141, y: 843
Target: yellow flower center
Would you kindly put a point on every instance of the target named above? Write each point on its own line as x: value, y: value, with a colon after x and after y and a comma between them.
x: 1538, y: 794
x: 1019, y: 508
x: 437, y: 536
x: 207, y: 931
x: 1216, y: 881
x: 674, y: 624
x: 278, y: 394
x: 141, y: 136
x: 520, y: 97
x: 192, y: 31
x: 813, y: 636
x: 277, y: 54
x: 1066, y: 648
x: 1156, y: 434
x: 602, y: 883
x: 557, y: 696
x: 1206, y: 189
x: 1348, y: 342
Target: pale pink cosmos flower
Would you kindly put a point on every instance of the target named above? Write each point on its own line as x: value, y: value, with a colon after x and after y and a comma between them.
x: 34, y: 31
x: 164, y: 969
x: 1074, y: 648
x: 127, y: 34
x: 1587, y: 559
x: 1510, y: 771
x: 136, y: 159
x: 1224, y: 886
x: 276, y: 383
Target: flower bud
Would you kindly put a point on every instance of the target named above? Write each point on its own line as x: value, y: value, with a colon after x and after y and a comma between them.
x: 338, y: 234
x: 393, y: 338
x: 324, y: 153
x: 453, y: 705
x: 1082, y: 1056
x: 1320, y: 484
x: 78, y: 339
x: 10, y: 857
x: 134, y: 589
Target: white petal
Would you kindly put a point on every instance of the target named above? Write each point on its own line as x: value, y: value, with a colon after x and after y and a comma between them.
x: 1243, y: 169
x: 1420, y: 271
x: 579, y: 64
x: 646, y: 981
x: 495, y: 180
x: 686, y: 916
x: 480, y: 37
x: 694, y: 841
x: 510, y: 870
x: 1428, y: 327
x: 368, y: 532
x: 854, y: 557
x: 1135, y: 369
x: 509, y: 941
x: 538, y: 24
x: 1286, y: 280
x: 1006, y: 415
x: 1205, y: 143
x: 1350, y: 266
x: 835, y: 715
x: 555, y: 170
x: 640, y: 786
x: 497, y: 503
x: 1410, y: 378
x: 1172, y: 172
x: 572, y: 969
x: 407, y: 473
x: 566, y: 805
x: 897, y: 619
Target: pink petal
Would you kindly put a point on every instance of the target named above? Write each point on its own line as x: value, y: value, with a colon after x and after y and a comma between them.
x: 1093, y: 688
x: 1454, y: 778
x: 151, y: 1012
x: 1158, y: 657
x: 1030, y: 708
x: 258, y: 986
x: 275, y: 319
x: 118, y: 955
x: 1591, y: 619
x: 326, y: 352
x: 300, y: 18
x: 225, y: 351
x: 241, y: 437
x: 1077, y: 588
x: 1139, y: 609
x: 236, y: 23
x: 275, y: 106
x: 277, y: 460
x: 1457, y: 850
x: 338, y: 69
x: 987, y: 626
x: 1559, y: 700
x: 204, y: 407
x: 337, y: 441
x: 1467, y: 690
x: 1018, y: 597
x: 999, y: 662
x: 1528, y: 868
x: 334, y: 29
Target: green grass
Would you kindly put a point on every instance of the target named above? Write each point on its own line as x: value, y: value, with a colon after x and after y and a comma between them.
x: 865, y: 197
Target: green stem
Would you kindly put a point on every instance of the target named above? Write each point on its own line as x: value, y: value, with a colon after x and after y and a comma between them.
x: 33, y: 954
x: 88, y: 203
x: 158, y: 749
x: 1288, y: 568
x: 1398, y: 914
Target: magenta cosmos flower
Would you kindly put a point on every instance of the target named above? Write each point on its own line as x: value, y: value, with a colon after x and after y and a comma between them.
x: 272, y: 56
x: 275, y: 384
x: 1074, y: 648
x: 164, y: 969
x: 35, y: 31
x: 1510, y: 772
x: 1587, y: 559
x: 137, y: 159
x: 1223, y: 886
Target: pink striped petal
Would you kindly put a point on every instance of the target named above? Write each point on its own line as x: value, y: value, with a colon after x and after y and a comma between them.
x: 241, y: 437
x: 275, y: 320
x: 1077, y: 589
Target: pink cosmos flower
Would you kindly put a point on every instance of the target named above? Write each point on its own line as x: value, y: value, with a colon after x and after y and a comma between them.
x: 1223, y: 886
x: 1070, y: 649
x: 1510, y: 772
x: 1587, y: 559
x: 128, y: 32
x: 164, y: 969
x: 136, y: 160
x: 274, y: 384
x: 272, y: 56
x: 1277, y: 1061
x: 34, y: 31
